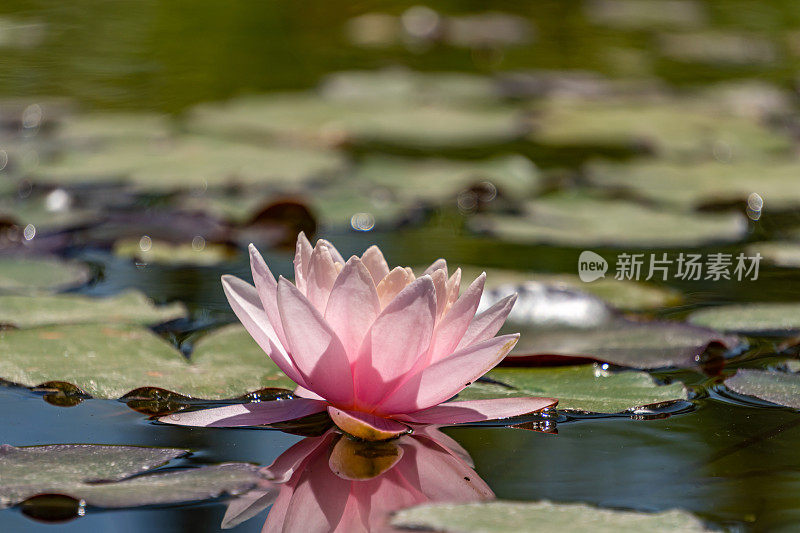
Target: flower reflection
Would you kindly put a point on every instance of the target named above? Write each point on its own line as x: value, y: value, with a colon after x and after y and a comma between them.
x: 335, y: 483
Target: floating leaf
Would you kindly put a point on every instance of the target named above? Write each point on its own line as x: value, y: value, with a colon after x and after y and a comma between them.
x: 779, y: 319
x: 645, y: 14
x: 27, y: 275
x: 674, y: 128
x: 562, y: 322
x: 622, y: 294
x: 307, y: 117
x: 441, y: 179
x: 781, y: 388
x: 191, y: 162
x: 778, y: 253
x: 575, y: 220
x: 108, y: 361
x: 697, y: 184
x: 128, y: 308
x: 718, y: 48
x: 100, y: 475
x: 583, y: 388
x: 196, y: 253
x: 511, y: 517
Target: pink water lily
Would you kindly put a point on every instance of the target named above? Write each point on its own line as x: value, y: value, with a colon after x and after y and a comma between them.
x: 378, y: 349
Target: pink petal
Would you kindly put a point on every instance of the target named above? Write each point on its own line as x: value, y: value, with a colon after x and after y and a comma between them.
x: 248, y: 414
x: 337, y: 257
x: 302, y: 256
x: 439, y: 278
x: 453, y: 288
x: 448, y: 443
x: 395, y: 341
x: 487, y: 324
x: 247, y: 505
x: 316, y: 351
x: 288, y: 462
x: 391, y: 285
x: 352, y: 306
x: 322, y: 273
x: 267, y: 289
x: 455, y: 323
x: 366, y: 426
x: 305, y: 393
x: 442, y: 380
x: 465, y: 412
x: 376, y: 264
x: 439, y: 264
x: 246, y: 303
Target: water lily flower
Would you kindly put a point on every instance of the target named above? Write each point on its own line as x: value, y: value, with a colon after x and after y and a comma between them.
x: 380, y: 350
x: 332, y: 483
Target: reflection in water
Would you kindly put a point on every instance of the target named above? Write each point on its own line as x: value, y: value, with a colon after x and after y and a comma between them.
x: 333, y: 483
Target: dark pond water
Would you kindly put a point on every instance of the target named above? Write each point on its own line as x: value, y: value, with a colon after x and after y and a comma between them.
x: 732, y: 461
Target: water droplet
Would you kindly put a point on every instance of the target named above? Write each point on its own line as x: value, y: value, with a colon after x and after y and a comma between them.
x: 362, y: 221
x: 198, y: 243
x: 29, y: 232
x: 145, y: 243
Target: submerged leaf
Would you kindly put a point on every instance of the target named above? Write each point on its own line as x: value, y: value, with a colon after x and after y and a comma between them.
x: 583, y: 388
x: 512, y: 517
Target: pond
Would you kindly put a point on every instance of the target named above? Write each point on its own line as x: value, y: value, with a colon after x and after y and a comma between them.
x: 629, y: 168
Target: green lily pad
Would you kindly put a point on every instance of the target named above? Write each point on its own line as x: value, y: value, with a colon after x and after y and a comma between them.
x: 196, y: 253
x: 512, y: 517
x: 130, y: 307
x: 583, y: 388
x: 107, y: 361
x: 75, y: 470
x: 105, y: 127
x: 781, y: 388
x: 308, y: 118
x: 627, y: 295
x: 30, y: 275
x: 778, y: 319
x: 400, y: 85
x: 645, y: 14
x: 191, y: 162
x: 677, y: 128
x: 778, y: 253
x: 716, y: 47
x: 696, y: 184
x: 51, y: 212
x: 576, y: 220
x: 440, y: 179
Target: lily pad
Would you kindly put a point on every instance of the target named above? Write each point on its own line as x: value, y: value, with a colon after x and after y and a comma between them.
x: 108, y: 361
x: 675, y: 128
x: 512, y: 517
x: 586, y: 388
x: 778, y: 253
x: 190, y: 162
x: 130, y: 307
x: 576, y: 220
x: 29, y: 275
x: 557, y: 323
x: 105, y: 127
x: 645, y: 14
x: 100, y: 475
x: 627, y: 295
x: 719, y: 48
x: 772, y: 319
x: 713, y: 182
x: 407, y: 86
x: 308, y: 118
x: 196, y: 253
x: 781, y: 388
x: 440, y: 179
